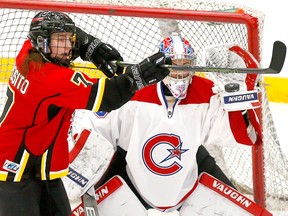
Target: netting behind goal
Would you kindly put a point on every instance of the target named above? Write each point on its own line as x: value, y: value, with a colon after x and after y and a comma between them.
x: 133, y: 27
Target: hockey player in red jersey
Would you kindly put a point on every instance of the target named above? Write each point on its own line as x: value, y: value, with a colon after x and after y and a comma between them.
x: 158, y: 137
x: 42, y: 94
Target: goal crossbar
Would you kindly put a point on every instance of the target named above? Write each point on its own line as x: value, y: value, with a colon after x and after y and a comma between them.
x: 160, y: 13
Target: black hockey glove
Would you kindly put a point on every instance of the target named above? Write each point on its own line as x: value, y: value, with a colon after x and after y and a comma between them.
x: 147, y: 72
x: 100, y: 54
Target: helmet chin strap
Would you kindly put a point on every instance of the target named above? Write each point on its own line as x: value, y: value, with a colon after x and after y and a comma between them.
x: 56, y: 60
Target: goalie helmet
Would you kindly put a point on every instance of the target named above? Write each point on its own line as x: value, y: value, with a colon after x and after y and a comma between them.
x: 46, y: 23
x: 178, y: 51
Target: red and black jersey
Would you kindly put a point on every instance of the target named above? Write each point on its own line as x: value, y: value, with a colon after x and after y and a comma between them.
x: 37, y: 113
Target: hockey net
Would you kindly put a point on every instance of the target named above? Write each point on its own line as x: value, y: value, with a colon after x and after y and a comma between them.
x: 133, y: 27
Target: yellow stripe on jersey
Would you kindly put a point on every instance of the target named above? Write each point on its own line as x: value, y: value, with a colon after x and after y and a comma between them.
x: 23, y: 164
x: 43, y: 165
x: 88, y: 68
x: 3, y: 176
x: 59, y: 174
x: 100, y: 92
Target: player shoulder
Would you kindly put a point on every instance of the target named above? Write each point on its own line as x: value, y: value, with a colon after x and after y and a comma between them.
x: 200, y: 91
x: 148, y: 94
x: 51, y: 66
x: 201, y: 83
x: 56, y: 71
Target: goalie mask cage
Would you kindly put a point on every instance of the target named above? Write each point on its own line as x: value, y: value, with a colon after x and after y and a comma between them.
x: 133, y: 27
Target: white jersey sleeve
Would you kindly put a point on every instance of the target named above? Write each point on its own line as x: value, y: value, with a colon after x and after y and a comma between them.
x: 216, y: 130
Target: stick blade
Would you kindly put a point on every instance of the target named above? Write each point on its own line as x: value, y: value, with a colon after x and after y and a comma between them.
x: 90, y: 206
x: 278, y: 56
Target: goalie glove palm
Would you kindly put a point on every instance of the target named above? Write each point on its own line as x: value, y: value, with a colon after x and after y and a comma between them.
x: 147, y: 72
x: 100, y: 54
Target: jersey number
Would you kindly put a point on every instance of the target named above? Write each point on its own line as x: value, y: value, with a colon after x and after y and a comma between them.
x: 79, y: 78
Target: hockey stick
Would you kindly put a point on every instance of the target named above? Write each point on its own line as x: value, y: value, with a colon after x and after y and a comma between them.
x: 276, y: 64
x: 89, y: 201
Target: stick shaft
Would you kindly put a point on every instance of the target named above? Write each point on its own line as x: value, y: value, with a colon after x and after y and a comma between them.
x: 276, y: 64
x: 89, y: 201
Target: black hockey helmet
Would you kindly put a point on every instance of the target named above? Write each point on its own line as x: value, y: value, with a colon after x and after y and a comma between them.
x: 43, y: 25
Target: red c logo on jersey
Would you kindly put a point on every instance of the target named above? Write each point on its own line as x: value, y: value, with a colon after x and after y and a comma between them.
x: 176, y: 151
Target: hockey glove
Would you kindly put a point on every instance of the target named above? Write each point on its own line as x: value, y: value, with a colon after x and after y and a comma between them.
x: 100, y: 54
x: 147, y: 72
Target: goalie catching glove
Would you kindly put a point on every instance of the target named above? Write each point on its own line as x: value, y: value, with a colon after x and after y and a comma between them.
x: 147, y: 72
x: 100, y: 54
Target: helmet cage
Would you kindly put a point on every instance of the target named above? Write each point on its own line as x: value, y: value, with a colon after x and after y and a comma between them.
x: 178, y: 87
x: 180, y: 52
x: 43, y: 25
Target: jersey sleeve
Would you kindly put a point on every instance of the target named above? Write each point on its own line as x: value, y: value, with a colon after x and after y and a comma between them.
x: 76, y: 90
x: 226, y: 128
x: 115, y: 126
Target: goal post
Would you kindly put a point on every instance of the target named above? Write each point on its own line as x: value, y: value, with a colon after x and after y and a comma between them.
x: 132, y: 27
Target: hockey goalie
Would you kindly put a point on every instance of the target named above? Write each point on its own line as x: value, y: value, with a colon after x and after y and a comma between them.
x: 145, y: 155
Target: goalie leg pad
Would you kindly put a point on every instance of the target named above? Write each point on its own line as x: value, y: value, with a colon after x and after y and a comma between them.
x: 213, y: 197
x: 90, y: 157
x: 115, y: 198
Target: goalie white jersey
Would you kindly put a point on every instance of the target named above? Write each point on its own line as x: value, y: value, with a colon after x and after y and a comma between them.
x: 161, y: 141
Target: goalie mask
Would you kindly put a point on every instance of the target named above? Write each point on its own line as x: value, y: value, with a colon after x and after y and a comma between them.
x: 178, y: 51
x: 43, y: 25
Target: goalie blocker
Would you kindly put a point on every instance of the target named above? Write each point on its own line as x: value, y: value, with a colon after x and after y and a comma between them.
x: 210, y: 197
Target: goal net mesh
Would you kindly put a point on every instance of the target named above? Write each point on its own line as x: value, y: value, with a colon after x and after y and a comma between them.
x: 133, y: 27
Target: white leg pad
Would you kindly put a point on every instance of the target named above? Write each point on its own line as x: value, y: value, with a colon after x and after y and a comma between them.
x: 115, y: 198
x: 90, y: 156
x: 212, y: 197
